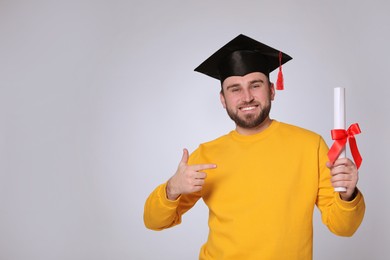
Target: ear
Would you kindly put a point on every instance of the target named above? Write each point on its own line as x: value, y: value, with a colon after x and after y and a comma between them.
x: 222, y: 98
x: 272, y: 89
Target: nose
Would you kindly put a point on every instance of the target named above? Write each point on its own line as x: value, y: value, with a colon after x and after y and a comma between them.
x: 247, y: 95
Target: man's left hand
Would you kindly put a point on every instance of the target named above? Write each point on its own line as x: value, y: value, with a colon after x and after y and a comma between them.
x: 344, y: 174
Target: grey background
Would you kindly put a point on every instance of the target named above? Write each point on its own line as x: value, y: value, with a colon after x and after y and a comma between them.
x: 98, y: 98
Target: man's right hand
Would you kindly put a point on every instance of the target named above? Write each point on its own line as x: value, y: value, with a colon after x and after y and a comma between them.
x: 188, y: 178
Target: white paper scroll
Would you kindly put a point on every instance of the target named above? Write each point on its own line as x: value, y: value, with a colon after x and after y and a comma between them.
x: 339, y: 120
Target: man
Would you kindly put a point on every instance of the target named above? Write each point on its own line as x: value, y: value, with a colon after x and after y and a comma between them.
x: 262, y: 180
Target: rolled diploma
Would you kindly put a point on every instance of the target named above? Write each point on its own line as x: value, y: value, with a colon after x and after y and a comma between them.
x: 339, y: 120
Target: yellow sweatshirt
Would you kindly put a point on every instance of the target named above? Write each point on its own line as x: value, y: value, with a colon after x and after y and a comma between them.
x: 261, y: 196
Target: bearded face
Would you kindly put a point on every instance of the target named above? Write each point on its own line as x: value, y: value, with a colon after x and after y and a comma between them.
x: 247, y: 99
x: 249, y: 119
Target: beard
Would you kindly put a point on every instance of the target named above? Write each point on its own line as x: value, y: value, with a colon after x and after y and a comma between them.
x: 251, y: 120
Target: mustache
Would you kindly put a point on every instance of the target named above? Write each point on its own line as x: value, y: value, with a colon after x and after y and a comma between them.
x: 251, y: 103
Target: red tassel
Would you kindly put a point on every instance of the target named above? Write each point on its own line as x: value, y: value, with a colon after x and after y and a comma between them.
x: 280, y: 80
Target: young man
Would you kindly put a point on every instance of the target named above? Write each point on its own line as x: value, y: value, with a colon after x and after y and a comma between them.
x: 262, y: 180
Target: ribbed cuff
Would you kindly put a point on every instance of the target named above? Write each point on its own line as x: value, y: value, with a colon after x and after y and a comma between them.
x: 349, y: 205
x: 162, y: 194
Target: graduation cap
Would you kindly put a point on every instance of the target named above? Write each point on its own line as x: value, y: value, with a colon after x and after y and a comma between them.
x: 241, y: 56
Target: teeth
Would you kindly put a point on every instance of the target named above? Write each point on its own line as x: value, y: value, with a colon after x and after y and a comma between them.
x: 247, y: 108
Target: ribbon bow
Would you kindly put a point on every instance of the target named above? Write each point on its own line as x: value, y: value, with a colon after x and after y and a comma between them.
x: 341, y: 137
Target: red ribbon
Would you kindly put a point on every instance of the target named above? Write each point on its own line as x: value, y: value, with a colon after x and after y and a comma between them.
x: 341, y: 136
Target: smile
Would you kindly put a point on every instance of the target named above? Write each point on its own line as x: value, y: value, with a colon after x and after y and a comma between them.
x: 248, y: 108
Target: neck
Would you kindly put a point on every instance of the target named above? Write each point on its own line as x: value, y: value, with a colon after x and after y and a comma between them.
x: 255, y: 130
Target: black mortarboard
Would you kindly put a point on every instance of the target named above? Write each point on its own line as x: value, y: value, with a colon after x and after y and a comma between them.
x: 241, y: 56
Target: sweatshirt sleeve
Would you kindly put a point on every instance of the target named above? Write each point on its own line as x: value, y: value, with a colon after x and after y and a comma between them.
x: 159, y: 212
x: 342, y: 218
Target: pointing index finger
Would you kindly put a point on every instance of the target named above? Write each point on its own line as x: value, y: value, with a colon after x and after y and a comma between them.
x: 201, y: 167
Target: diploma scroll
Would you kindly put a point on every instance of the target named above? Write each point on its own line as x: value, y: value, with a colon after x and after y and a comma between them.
x: 339, y: 120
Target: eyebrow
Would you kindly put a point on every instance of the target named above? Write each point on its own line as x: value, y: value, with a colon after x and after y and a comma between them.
x: 251, y: 82
x: 256, y: 81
